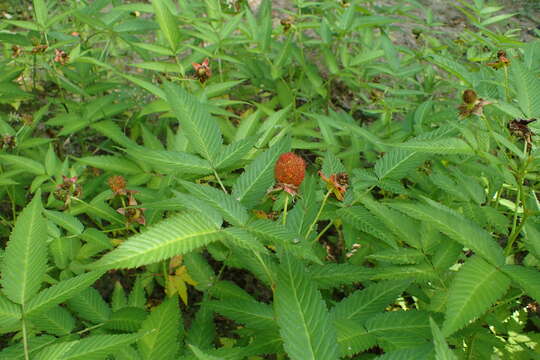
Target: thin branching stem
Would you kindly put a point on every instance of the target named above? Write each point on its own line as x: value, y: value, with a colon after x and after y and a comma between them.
x: 328, y: 226
x: 318, y: 213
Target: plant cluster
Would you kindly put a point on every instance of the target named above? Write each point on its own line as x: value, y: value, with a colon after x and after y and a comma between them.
x: 201, y: 180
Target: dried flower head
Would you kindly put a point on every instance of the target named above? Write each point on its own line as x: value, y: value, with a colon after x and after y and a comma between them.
x: 286, y: 23
x: 337, y: 183
x: 117, y: 184
x: 9, y: 142
x: 16, y: 51
x: 289, y: 172
x: 502, y: 60
x: 469, y: 96
x: 39, y: 49
x: 68, y: 189
x: 202, y: 70
x: 520, y: 128
x: 472, y: 104
x: 133, y: 214
x: 61, y: 57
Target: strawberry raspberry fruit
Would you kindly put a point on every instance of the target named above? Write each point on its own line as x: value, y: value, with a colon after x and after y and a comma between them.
x: 290, y: 169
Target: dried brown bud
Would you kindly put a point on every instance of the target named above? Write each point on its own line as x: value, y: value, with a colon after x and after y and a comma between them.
x: 16, y: 51
x: 286, y: 23
x: 39, y: 49
x: 202, y: 70
x: 61, y: 57
x: 342, y: 179
x: 469, y: 96
x: 117, y: 184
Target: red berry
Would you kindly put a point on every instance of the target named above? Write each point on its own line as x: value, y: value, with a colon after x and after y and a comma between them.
x: 290, y: 169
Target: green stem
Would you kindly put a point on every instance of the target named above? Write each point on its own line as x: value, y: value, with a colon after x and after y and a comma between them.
x: 266, y: 269
x: 318, y: 214
x: 89, y: 328
x: 164, y: 269
x: 506, y: 85
x: 220, y: 183
x: 516, y: 207
x: 328, y: 226
x: 498, y: 197
x: 25, y: 339
x: 285, y: 208
x: 520, y: 198
x: 34, y: 72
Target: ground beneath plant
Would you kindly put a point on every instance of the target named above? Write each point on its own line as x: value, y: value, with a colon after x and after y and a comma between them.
x: 527, y: 13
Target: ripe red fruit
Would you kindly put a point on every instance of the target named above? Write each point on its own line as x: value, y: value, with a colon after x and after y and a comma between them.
x: 290, y: 169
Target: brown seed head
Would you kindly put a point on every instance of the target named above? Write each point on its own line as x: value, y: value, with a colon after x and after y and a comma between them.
x: 469, y: 96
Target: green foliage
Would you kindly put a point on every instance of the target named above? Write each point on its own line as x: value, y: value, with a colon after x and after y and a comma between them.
x: 472, y: 292
x: 164, y: 334
x: 25, y: 257
x: 140, y: 216
x: 176, y: 235
x: 302, y: 316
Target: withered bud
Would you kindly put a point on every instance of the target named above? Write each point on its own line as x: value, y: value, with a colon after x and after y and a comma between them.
x: 469, y: 96
x: 16, y: 51
x: 39, y: 49
x: 342, y: 179
x: 286, y: 23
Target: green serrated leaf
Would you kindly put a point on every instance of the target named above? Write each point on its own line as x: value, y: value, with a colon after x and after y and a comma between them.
x: 436, y: 146
x: 362, y: 220
x: 65, y: 220
x: 40, y: 7
x: 254, y: 314
x: 167, y: 23
x: 251, y: 186
x: 527, y: 86
x: 60, y: 292
x: 225, y: 204
x: 442, y: 350
x: 527, y: 277
x: 164, y: 341
x: 127, y: 319
x: 89, y: 305
x: 472, y: 293
x: 10, y: 314
x: 95, y: 347
x: 176, y: 235
x: 400, y: 328
x: 202, y: 330
x: 196, y: 122
x: 334, y: 275
x: 24, y: 163
x: 111, y: 163
x: 353, y: 337
x: 232, y: 154
x: 302, y: 316
x: 456, y: 227
x: 56, y: 320
x: 25, y: 258
x: 171, y: 160
x: 241, y: 237
x: 397, y: 164
x: 362, y: 304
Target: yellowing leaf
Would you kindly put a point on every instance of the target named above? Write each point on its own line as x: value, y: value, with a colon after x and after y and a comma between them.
x: 176, y: 283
